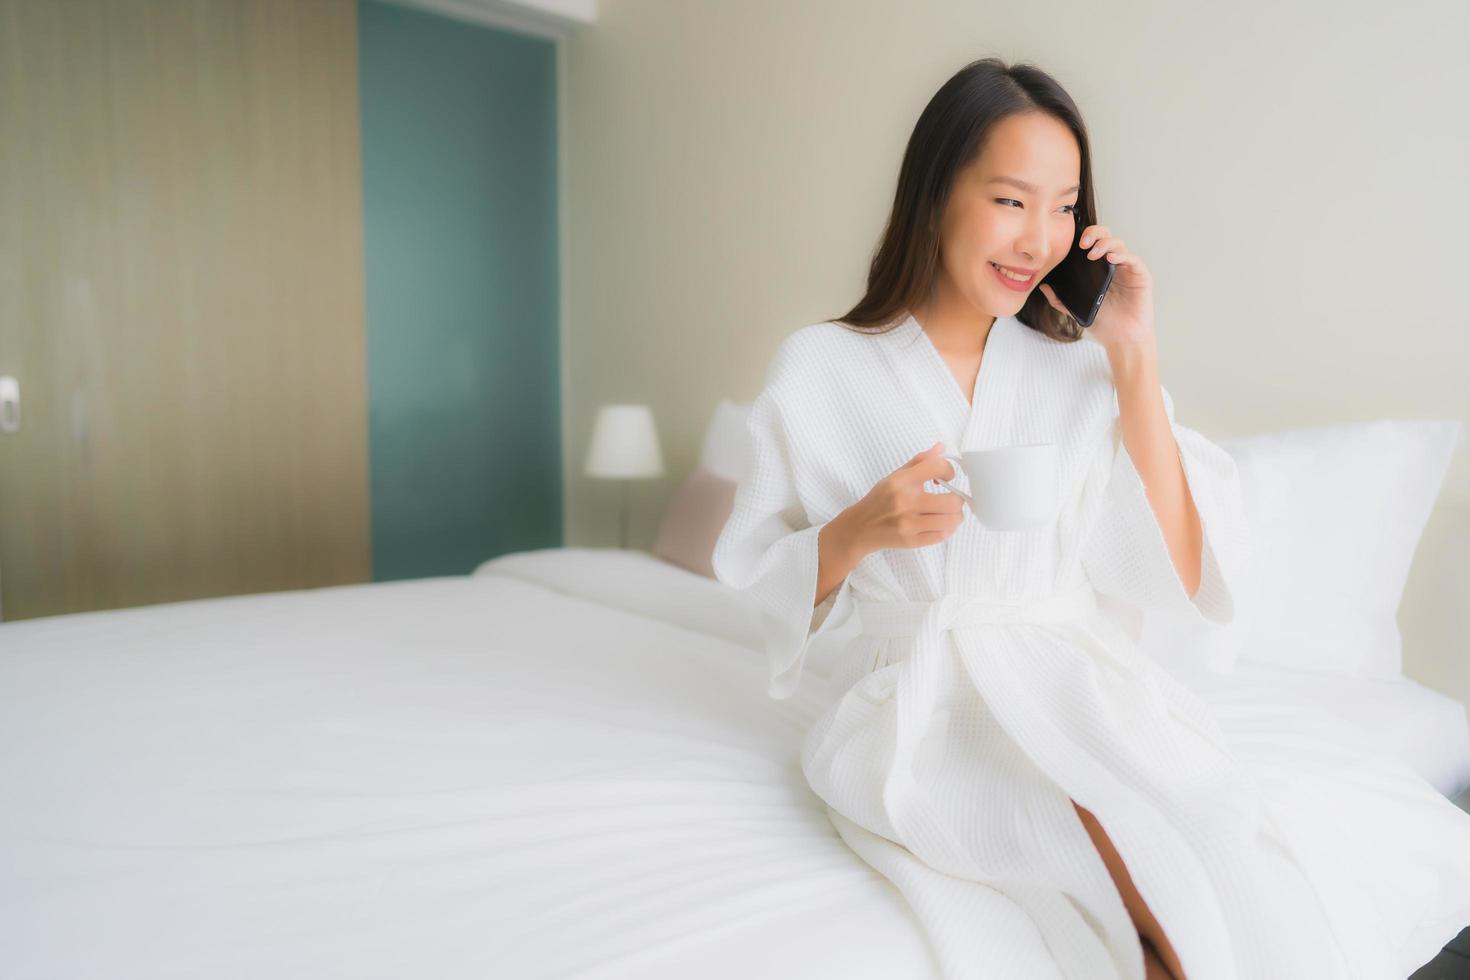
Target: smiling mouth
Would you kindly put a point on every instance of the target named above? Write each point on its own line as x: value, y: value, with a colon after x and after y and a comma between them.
x: 1020, y: 275
x: 1013, y: 275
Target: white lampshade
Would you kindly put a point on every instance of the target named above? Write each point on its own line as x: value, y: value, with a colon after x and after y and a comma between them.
x: 624, y: 444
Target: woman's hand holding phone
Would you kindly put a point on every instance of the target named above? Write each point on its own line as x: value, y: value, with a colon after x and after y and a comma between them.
x: 1126, y: 314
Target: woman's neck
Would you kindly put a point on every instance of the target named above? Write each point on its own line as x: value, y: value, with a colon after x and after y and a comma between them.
x: 954, y: 328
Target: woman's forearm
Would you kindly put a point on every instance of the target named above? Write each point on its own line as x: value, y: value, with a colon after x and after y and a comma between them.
x: 838, y: 553
x: 1155, y: 454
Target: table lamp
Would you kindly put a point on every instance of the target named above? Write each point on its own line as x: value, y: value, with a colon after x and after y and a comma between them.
x: 624, y: 447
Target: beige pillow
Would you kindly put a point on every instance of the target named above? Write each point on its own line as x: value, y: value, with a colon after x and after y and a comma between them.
x: 696, y: 515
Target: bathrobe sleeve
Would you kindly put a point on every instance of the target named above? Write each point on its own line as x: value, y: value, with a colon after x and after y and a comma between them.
x: 1126, y: 555
x: 768, y: 551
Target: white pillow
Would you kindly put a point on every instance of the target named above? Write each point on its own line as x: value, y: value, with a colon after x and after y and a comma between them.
x: 1337, y: 512
x: 723, y: 450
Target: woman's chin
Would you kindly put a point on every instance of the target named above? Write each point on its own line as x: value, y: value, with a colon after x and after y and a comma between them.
x: 1010, y: 303
x: 997, y: 301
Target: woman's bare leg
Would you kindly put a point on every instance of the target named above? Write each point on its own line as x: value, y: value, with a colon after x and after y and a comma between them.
x: 1143, y: 919
x: 1153, y: 967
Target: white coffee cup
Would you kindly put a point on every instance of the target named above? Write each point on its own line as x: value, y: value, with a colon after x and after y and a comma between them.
x: 1014, y: 487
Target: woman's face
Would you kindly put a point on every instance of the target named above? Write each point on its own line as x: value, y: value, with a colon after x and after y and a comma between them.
x: 992, y: 220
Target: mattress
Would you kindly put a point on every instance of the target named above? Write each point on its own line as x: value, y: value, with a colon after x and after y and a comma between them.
x: 562, y: 765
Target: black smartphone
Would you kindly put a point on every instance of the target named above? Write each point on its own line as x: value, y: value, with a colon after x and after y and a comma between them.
x: 1079, y: 282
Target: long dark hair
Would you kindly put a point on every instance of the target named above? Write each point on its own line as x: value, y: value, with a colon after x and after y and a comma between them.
x: 950, y: 133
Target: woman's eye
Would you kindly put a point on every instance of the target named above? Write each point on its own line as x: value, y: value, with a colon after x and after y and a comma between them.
x: 1071, y: 208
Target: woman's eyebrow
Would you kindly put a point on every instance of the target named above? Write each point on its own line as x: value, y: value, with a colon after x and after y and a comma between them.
x: 1025, y: 186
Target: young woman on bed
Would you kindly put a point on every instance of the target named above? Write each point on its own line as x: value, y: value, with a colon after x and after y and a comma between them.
x: 1049, y: 801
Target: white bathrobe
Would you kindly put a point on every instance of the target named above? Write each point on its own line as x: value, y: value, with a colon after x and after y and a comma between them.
x: 988, y: 688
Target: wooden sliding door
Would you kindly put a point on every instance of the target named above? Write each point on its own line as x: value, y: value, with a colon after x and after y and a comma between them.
x: 181, y: 301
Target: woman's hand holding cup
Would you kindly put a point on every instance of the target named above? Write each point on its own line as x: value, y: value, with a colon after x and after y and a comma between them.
x: 899, y: 513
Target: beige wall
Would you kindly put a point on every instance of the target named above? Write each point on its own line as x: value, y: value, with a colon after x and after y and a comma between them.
x: 729, y: 167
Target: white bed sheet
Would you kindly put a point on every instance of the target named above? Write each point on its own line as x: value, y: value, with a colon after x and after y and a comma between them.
x: 441, y: 778
x: 562, y: 765
x: 1425, y: 729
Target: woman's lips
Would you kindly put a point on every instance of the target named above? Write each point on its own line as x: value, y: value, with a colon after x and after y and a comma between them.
x: 1011, y: 284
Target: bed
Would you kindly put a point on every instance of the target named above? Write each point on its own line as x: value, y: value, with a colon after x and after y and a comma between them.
x: 563, y: 764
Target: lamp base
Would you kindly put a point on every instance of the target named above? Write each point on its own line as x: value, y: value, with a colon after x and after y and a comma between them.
x: 623, y: 521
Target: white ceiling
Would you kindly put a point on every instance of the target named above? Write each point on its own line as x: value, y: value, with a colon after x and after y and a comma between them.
x: 545, y: 18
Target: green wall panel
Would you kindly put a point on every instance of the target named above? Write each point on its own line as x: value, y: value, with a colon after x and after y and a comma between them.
x: 460, y: 248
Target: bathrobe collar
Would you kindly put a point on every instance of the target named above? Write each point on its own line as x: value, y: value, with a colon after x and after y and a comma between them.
x: 960, y: 424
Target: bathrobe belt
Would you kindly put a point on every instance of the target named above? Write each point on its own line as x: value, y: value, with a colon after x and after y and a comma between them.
x: 951, y: 611
x: 919, y: 677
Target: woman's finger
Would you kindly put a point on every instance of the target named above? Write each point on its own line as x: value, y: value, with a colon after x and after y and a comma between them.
x: 1091, y: 234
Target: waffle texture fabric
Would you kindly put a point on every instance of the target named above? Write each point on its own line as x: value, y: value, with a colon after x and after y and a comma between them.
x: 985, y: 684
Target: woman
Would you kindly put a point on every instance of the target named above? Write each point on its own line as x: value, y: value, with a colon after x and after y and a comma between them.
x: 1049, y: 801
